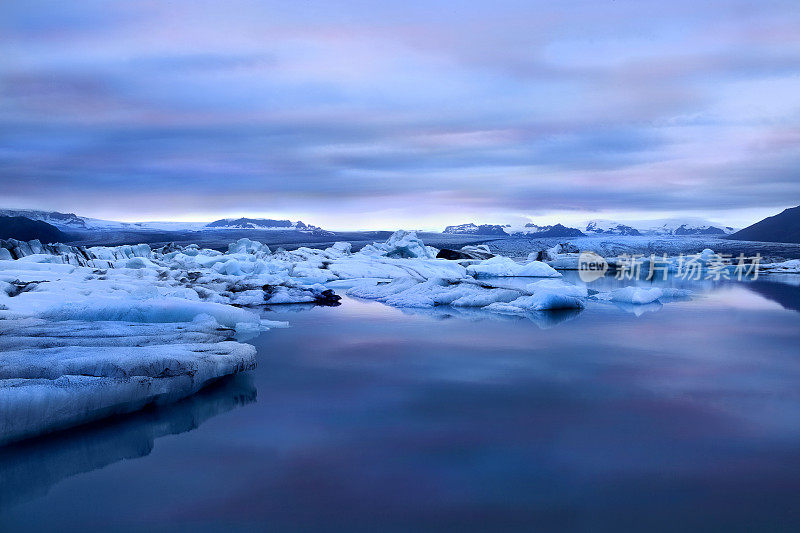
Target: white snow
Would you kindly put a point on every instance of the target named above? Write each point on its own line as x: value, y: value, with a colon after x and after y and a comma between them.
x: 499, y: 266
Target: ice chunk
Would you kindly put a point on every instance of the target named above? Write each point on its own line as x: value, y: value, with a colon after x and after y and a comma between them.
x: 790, y: 267
x: 246, y: 246
x: 22, y: 266
x: 340, y: 248
x: 556, y: 285
x: 500, y: 266
x: 405, y: 292
x: 425, y: 294
x: 138, y: 262
x: 383, y: 267
x: 482, y: 297
x: 28, y: 471
x: 402, y: 244
x: 288, y: 295
x: 639, y: 309
x: 540, y: 301
x: 636, y: 295
x: 670, y: 293
x: 42, y: 390
x: 149, y: 311
x: 371, y: 290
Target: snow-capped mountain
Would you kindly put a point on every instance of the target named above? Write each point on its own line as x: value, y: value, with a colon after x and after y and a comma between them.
x: 73, y: 222
x: 474, y: 229
x: 76, y: 223
x: 504, y: 230
x: 555, y: 230
x: 665, y: 226
x: 63, y: 221
x: 609, y: 227
x: 258, y: 223
x: 682, y: 226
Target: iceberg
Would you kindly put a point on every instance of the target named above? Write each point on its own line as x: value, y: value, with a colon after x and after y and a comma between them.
x: 791, y: 266
x: 408, y: 293
x: 636, y: 295
x: 540, y: 301
x: 499, y: 266
x: 246, y: 246
x: 402, y: 244
x: 558, y: 286
x: 55, y: 375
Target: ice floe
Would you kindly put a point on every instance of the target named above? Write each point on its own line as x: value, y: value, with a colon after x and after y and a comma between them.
x: 58, y: 374
x: 92, y: 332
x: 786, y: 267
x: 505, y: 267
x: 636, y: 295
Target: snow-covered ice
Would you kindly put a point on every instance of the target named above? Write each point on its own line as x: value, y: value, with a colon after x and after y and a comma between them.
x: 505, y: 267
x: 538, y: 301
x: 791, y: 266
x: 636, y: 295
x: 56, y: 374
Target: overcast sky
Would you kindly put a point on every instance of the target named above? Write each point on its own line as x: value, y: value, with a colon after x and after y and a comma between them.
x: 367, y: 114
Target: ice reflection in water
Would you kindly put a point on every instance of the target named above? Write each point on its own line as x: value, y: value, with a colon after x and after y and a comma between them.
x: 373, y: 418
x: 28, y: 469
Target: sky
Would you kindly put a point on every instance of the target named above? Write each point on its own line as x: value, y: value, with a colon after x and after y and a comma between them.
x: 416, y: 114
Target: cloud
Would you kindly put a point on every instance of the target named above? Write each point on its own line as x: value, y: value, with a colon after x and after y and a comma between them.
x: 347, y: 107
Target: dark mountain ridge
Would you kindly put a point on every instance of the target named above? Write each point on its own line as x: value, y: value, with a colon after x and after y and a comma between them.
x: 783, y: 227
x: 25, y: 229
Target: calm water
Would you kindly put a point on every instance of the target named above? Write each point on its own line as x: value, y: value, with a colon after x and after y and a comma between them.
x: 367, y: 418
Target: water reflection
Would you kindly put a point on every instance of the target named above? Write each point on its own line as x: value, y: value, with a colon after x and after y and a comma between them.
x: 786, y: 295
x: 542, y: 319
x: 28, y: 469
x: 373, y: 418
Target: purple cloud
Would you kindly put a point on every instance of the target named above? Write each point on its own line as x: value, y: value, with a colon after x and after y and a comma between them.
x: 340, y: 110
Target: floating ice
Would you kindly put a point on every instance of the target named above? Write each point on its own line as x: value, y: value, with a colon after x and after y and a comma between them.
x: 402, y: 244
x: 246, y: 246
x: 499, y: 266
x: 91, y: 332
x: 558, y: 286
x: 789, y: 267
x: 45, y: 389
x: 670, y: 293
x: 636, y: 295
x: 151, y: 311
x: 539, y: 301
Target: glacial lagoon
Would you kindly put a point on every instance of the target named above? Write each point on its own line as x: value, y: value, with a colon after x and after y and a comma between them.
x: 367, y: 417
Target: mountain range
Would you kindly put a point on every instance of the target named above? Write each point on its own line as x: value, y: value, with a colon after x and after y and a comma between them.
x: 70, y: 222
x: 662, y: 226
x: 51, y: 226
x: 668, y: 226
